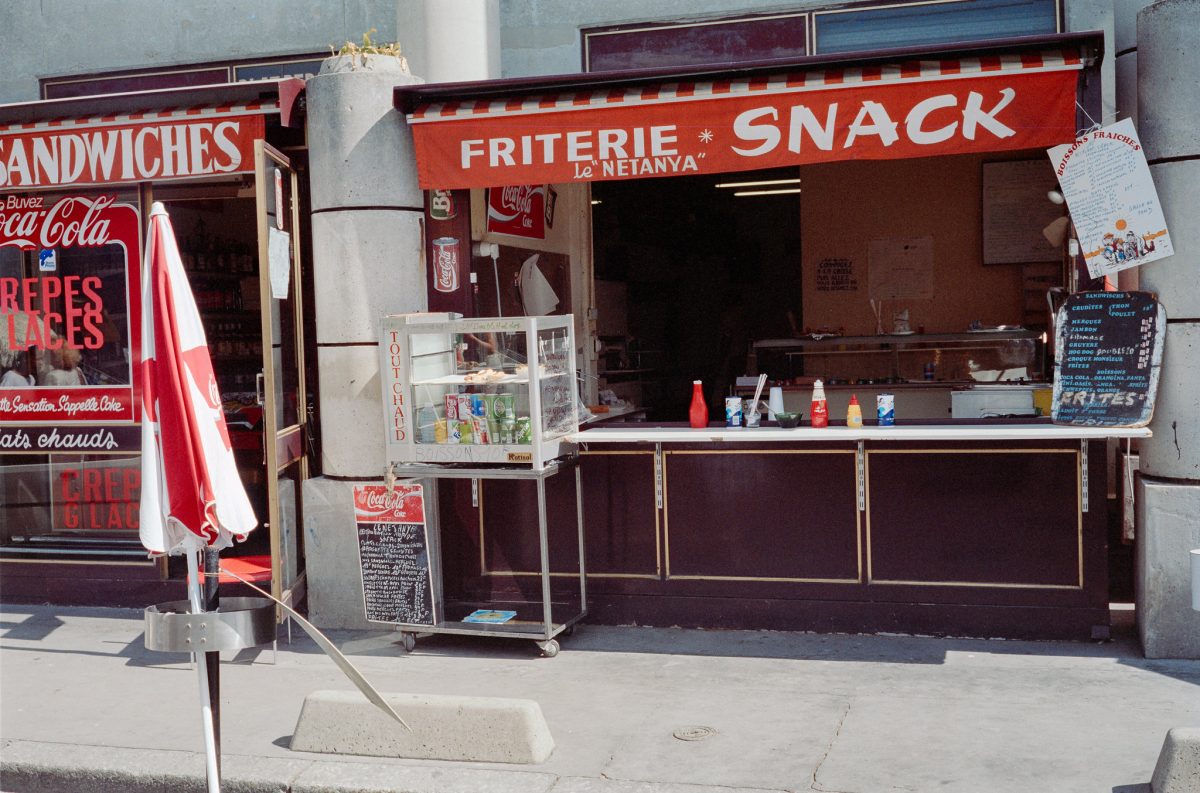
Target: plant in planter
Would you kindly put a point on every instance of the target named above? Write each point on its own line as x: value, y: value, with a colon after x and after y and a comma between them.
x: 368, y: 54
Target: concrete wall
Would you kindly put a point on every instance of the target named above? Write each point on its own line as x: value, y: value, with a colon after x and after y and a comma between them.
x: 43, y: 39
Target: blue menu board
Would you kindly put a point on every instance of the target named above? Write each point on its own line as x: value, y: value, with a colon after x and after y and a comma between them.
x: 1108, y: 353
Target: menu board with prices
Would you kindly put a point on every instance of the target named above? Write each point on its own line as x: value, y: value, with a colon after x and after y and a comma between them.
x: 1107, y: 361
x: 393, y: 549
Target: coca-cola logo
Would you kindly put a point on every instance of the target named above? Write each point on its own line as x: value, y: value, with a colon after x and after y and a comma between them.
x: 518, y: 198
x: 76, y: 221
x: 445, y: 264
x: 379, y: 504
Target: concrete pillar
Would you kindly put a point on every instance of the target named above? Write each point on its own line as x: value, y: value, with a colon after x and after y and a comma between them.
x: 1125, y: 60
x: 366, y: 216
x: 1168, y: 59
x: 462, y: 40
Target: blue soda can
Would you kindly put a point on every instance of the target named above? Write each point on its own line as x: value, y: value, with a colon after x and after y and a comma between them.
x: 733, y: 412
x: 478, y: 405
x: 885, y: 409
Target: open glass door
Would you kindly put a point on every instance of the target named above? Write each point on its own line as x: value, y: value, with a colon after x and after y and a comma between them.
x: 281, y: 389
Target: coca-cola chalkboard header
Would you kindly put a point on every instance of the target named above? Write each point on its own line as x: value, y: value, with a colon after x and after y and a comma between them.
x: 1108, y: 352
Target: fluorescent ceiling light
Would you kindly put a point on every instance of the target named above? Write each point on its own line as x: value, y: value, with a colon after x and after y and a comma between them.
x: 766, y: 192
x: 764, y: 183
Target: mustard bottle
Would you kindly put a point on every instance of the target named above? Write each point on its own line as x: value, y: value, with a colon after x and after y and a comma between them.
x: 854, y: 413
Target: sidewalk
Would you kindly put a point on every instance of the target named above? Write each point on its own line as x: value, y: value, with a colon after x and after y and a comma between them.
x: 86, y: 708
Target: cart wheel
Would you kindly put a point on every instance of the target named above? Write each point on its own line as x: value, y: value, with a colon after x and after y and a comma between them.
x: 549, y: 649
x: 409, y: 640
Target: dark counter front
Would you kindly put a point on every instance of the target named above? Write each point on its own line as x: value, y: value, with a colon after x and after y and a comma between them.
x: 973, y: 538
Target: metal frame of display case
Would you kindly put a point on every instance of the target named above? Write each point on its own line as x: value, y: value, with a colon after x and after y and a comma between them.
x: 549, y: 629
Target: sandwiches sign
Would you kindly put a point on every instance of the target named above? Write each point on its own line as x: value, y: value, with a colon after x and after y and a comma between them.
x: 113, y: 150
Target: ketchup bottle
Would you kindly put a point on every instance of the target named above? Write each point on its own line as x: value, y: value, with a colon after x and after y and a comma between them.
x: 820, y: 408
x: 698, y: 413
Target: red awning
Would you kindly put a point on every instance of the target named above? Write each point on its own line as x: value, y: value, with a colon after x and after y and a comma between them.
x: 875, y: 109
x: 136, y: 137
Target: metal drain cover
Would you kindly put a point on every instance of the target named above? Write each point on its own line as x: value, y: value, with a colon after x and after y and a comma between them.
x: 694, y: 733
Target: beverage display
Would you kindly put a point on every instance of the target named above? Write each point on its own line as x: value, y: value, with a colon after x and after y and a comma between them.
x: 501, y: 390
x: 885, y: 408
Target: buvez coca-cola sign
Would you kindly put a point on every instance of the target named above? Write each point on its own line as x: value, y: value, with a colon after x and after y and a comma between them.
x: 381, y: 504
x: 519, y: 210
x: 70, y: 326
x: 114, y: 152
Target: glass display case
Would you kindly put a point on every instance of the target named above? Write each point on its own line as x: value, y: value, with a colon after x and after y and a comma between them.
x: 478, y: 391
x: 971, y: 357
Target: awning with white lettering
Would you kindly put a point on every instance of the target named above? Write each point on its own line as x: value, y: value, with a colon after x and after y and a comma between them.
x: 621, y: 126
x: 136, y: 137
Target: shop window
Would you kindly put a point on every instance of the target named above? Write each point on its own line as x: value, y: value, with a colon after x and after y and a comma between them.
x: 695, y: 43
x: 905, y: 25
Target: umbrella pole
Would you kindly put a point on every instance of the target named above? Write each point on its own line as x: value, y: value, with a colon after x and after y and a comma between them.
x: 212, y: 602
x: 211, y: 765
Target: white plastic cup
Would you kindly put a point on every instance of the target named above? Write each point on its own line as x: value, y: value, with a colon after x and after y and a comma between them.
x: 775, y: 402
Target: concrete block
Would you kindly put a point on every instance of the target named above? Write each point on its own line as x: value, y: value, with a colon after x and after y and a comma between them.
x: 1178, y: 767
x: 1174, y: 278
x: 351, y: 411
x: 335, y: 590
x: 473, y: 729
x: 365, y: 265
x: 1126, y: 93
x: 1125, y: 24
x: 1168, y: 40
x: 366, y: 154
x: 1174, y: 451
x: 1167, y: 529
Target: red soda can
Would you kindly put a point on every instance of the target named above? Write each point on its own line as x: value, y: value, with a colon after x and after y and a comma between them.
x: 442, y: 206
x: 451, y: 407
x: 445, y: 264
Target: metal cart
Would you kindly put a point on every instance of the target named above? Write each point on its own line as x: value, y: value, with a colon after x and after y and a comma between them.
x: 544, y: 633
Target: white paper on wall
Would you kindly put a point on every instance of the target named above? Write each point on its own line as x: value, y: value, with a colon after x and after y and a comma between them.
x: 901, y: 269
x: 1113, y: 203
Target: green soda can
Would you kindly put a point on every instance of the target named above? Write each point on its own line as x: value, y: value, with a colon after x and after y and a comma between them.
x: 491, y: 403
x: 509, y: 406
x: 524, y: 431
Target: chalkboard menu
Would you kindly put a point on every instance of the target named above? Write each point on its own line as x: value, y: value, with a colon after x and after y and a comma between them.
x: 1108, y: 352
x: 393, y: 552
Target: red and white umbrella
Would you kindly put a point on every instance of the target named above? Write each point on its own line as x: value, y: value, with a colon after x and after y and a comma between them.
x: 192, y: 497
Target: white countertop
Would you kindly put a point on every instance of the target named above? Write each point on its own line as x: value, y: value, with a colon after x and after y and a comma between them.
x: 957, y: 432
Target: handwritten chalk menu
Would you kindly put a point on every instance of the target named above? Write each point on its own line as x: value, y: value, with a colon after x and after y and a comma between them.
x: 1113, y: 203
x: 393, y: 552
x: 1108, y: 352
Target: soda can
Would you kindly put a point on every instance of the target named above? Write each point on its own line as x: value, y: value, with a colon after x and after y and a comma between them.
x: 479, y: 430
x: 885, y: 409
x: 464, y: 407
x: 733, y: 412
x: 508, y: 430
x: 491, y: 404
x: 478, y: 406
x: 510, y: 407
x: 452, y: 407
x: 441, y: 205
x: 454, y: 432
x: 929, y: 370
x: 441, y: 432
x: 524, y: 431
x: 464, y: 431
x: 445, y: 264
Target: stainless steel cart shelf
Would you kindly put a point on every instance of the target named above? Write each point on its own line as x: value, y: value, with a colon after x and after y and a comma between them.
x: 545, y: 631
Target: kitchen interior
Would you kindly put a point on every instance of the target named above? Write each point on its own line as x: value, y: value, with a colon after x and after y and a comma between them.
x: 924, y: 278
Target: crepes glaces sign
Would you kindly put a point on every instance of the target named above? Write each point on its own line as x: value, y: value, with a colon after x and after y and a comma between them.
x: 70, y: 314
x: 1113, y: 203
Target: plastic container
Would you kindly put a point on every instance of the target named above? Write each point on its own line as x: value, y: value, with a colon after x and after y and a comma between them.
x: 698, y: 412
x: 427, y: 424
x: 820, y: 408
x: 854, y: 413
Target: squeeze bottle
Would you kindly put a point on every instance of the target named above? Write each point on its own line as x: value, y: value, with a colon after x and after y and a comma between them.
x: 698, y: 413
x: 820, y: 409
x: 854, y: 413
